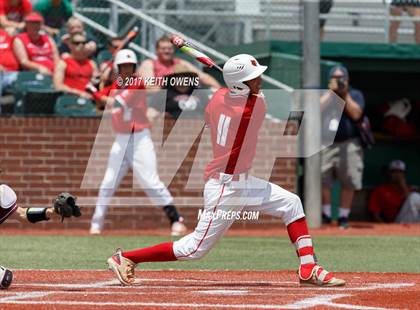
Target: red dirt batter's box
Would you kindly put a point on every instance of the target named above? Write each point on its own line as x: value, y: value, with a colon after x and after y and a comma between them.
x: 206, y: 290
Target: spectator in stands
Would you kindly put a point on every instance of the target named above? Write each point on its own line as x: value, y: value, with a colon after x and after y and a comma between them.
x: 8, y: 62
x: 55, y: 12
x: 34, y: 49
x: 106, y: 68
x: 324, y: 8
x: 412, y: 8
x: 75, y: 25
x: 179, y: 98
x: 165, y: 62
x: 12, y: 14
x: 75, y: 71
x: 394, y: 201
x: 343, y: 161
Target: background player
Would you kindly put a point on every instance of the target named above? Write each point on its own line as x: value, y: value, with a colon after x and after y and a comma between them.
x: 234, y: 116
x: 133, y: 146
x: 64, y: 206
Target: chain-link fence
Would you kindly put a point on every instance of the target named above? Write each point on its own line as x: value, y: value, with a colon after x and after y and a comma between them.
x: 214, y: 23
x: 269, y: 29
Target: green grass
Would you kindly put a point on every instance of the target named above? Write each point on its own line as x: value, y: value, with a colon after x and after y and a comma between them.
x: 381, y: 254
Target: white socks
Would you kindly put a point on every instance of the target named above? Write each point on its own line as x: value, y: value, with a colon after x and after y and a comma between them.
x: 326, y: 209
x: 344, y: 212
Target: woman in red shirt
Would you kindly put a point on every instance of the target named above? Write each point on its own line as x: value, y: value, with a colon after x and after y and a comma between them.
x: 74, y: 71
x: 34, y: 49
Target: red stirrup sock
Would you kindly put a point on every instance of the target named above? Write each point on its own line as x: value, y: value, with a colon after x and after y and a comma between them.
x: 162, y: 252
x: 297, y: 229
x: 299, y: 236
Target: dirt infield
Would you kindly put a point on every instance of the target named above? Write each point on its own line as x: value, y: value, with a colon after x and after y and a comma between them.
x: 356, y: 229
x: 71, y: 289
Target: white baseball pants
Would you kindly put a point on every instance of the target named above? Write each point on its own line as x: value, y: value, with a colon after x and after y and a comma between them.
x: 410, y: 210
x: 246, y: 194
x: 137, y: 151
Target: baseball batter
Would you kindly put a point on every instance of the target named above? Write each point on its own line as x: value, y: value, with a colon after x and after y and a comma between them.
x: 133, y: 146
x: 64, y: 206
x: 234, y: 115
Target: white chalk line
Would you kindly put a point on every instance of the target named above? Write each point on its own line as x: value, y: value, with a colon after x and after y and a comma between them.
x: 134, y: 293
x: 326, y: 300
x: 23, y: 295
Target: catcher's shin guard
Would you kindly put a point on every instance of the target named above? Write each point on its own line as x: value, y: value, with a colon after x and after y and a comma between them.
x: 6, y: 277
x: 123, y: 268
x: 315, y: 275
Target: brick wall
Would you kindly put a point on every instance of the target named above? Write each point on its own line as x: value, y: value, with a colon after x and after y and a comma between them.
x: 40, y: 157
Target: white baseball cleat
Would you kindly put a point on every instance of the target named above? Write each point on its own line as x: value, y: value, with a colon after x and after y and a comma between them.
x: 123, y: 268
x: 178, y: 229
x: 317, y: 276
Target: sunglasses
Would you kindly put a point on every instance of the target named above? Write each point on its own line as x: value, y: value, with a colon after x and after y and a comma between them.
x: 78, y: 42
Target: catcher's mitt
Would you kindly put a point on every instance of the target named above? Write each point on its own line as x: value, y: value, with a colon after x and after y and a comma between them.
x: 65, y: 205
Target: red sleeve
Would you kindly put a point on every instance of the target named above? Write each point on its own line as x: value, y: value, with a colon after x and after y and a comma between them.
x: 374, y: 205
x: 103, y: 92
x: 26, y: 7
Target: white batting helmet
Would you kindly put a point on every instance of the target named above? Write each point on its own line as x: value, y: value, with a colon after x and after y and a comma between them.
x: 239, y: 69
x: 125, y: 56
x: 7, y: 197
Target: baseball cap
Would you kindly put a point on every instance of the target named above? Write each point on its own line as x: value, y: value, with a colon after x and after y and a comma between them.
x: 34, y: 17
x: 396, y: 165
x: 342, y: 69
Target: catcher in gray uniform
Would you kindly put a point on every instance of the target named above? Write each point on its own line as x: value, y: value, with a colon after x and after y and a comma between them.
x: 64, y: 206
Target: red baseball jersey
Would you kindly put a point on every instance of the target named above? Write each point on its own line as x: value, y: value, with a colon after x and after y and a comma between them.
x: 234, y: 124
x: 41, y: 52
x: 386, y: 200
x: 132, y: 118
x: 15, y: 13
x: 8, y: 59
x: 78, y: 73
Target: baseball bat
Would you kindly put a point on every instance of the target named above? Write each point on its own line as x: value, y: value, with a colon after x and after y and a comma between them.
x: 191, y: 50
x: 130, y: 36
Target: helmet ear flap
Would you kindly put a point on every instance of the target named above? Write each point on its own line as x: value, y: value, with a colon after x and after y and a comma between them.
x: 238, y: 89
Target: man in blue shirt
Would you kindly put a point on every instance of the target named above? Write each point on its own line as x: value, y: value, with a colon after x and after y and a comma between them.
x: 343, y: 161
